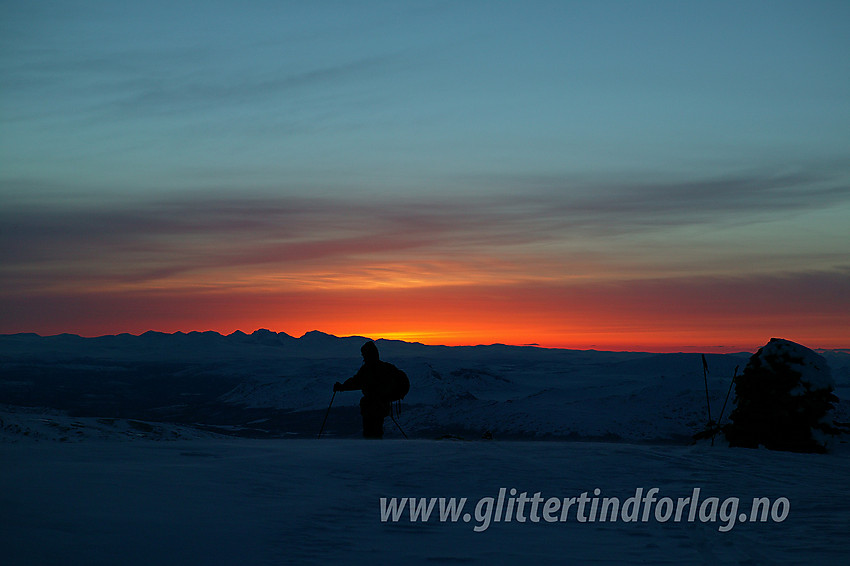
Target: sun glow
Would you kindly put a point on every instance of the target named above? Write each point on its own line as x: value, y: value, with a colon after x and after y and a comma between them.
x: 649, y: 315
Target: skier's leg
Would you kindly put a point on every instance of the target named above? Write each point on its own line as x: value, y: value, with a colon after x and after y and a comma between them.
x: 373, y: 418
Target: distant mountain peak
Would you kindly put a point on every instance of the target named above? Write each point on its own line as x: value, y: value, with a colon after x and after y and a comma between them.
x: 152, y: 333
x: 317, y: 334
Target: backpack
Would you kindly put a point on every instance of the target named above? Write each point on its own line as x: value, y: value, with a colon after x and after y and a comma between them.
x: 398, y: 385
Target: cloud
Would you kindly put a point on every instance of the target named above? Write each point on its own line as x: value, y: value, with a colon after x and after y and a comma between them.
x: 630, y: 205
x: 207, y: 93
x: 175, y: 81
x: 537, y: 232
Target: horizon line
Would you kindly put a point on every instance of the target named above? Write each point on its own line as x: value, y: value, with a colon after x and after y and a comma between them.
x: 636, y: 348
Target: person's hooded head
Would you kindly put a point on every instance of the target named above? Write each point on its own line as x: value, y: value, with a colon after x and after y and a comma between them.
x: 370, y: 352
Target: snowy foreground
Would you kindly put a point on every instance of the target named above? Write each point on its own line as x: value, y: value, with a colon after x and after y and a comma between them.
x: 219, y: 500
x: 201, y: 449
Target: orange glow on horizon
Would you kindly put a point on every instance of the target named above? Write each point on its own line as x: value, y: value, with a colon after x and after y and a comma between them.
x: 711, y: 341
x: 658, y: 316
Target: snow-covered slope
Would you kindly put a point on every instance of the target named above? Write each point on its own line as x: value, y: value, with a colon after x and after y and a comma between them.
x: 272, y: 384
x: 315, y: 502
x: 161, y: 479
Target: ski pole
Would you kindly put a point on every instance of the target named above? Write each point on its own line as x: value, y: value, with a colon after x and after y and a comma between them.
x: 398, y: 425
x: 705, y: 377
x: 321, y: 430
x: 723, y: 409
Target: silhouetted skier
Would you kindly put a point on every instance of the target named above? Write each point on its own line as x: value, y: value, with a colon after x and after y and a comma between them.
x: 379, y: 382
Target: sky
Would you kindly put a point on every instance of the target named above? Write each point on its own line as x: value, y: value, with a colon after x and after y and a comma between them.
x: 664, y: 176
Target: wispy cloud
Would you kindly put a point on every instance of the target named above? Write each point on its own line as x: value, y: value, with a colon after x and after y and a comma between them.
x: 523, y: 235
x: 631, y: 205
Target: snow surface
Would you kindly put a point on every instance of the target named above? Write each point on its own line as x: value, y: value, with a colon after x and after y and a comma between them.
x: 82, y: 487
x: 246, y: 501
